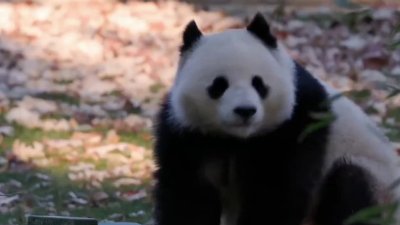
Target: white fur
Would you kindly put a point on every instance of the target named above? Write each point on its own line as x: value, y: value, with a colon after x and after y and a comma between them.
x: 355, y: 137
x: 239, y: 56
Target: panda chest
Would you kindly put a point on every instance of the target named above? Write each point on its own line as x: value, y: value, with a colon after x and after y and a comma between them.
x: 221, y: 173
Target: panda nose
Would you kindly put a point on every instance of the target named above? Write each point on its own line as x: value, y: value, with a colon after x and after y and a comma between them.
x: 245, y: 111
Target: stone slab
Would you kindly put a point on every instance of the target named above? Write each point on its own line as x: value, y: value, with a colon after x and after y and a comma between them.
x: 59, y: 220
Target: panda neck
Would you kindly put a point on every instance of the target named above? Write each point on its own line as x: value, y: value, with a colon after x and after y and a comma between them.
x: 310, y: 93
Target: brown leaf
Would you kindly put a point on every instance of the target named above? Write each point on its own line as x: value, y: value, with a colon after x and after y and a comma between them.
x: 376, y: 63
x: 83, y: 118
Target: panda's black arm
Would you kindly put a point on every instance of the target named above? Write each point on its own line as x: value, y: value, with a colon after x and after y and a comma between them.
x: 182, y: 201
x: 282, y: 195
x: 182, y: 197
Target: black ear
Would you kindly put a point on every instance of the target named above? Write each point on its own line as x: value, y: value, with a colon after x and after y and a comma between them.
x: 191, y: 34
x: 260, y: 28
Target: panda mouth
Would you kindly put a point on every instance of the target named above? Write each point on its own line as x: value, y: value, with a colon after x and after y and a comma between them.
x: 238, y: 124
x: 242, y: 124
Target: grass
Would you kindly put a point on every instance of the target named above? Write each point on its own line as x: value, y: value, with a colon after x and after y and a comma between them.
x: 60, y: 97
x: 60, y: 186
x: 155, y: 88
x: 142, y: 138
x: 29, y: 136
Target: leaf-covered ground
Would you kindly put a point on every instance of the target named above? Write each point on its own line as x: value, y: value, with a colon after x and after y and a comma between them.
x: 80, y: 82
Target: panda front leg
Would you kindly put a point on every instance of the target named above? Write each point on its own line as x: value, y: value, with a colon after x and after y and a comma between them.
x: 345, y: 190
x: 185, y: 201
x: 270, y: 199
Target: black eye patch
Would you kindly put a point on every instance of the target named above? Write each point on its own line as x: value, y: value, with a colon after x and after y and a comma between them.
x: 260, y: 87
x: 218, y: 87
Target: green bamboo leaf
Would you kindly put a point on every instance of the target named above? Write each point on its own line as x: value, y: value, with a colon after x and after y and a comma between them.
x: 395, y: 45
x: 374, y: 215
x: 332, y: 99
x: 397, y: 28
x: 395, y: 184
x: 324, y: 120
x: 393, y: 93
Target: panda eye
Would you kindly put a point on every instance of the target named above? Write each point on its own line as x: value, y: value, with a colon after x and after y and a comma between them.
x: 218, y: 87
x: 260, y: 87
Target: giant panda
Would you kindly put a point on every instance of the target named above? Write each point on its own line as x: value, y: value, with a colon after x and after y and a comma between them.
x: 235, y: 142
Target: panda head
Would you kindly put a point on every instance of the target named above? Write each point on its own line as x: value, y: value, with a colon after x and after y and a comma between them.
x: 238, y: 82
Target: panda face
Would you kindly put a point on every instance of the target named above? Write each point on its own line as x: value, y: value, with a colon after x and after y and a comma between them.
x: 238, y: 102
x: 231, y: 83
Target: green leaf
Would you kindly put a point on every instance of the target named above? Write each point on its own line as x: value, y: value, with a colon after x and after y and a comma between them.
x: 395, y: 184
x: 324, y: 120
x: 359, y: 96
x: 395, y: 45
x: 331, y: 99
x: 397, y: 28
x: 393, y: 93
x: 394, y: 90
x: 383, y: 215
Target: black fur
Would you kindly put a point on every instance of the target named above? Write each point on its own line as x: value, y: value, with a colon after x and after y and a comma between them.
x: 190, y: 36
x: 260, y: 87
x: 260, y: 28
x: 276, y: 174
x: 218, y: 87
x: 345, y: 191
